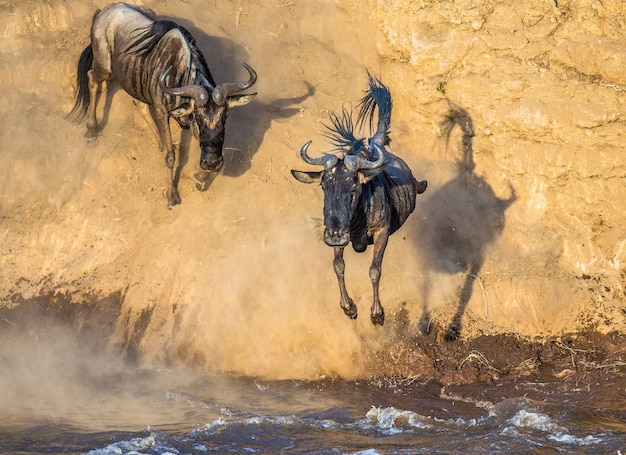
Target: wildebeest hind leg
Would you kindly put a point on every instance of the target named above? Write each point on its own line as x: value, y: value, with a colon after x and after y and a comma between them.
x: 95, y: 83
x: 347, y: 305
x: 380, y: 243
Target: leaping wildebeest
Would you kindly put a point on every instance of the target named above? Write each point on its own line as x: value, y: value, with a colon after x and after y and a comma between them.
x: 368, y: 192
x: 158, y: 63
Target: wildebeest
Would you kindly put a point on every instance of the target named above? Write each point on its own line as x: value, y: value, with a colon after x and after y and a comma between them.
x: 368, y: 192
x: 158, y: 63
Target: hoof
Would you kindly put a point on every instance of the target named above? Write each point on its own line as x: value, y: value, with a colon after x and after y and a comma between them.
x: 91, y: 134
x: 202, y: 180
x: 453, y: 333
x: 425, y: 324
x: 200, y: 186
x: 378, y: 319
x: 172, y: 201
x: 351, y: 311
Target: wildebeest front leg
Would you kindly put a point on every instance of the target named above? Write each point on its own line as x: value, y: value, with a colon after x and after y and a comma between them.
x: 148, y: 116
x: 346, y: 303
x: 380, y: 243
x: 161, y: 120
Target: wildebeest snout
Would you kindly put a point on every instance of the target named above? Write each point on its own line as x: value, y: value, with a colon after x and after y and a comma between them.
x: 336, y: 237
x: 213, y: 163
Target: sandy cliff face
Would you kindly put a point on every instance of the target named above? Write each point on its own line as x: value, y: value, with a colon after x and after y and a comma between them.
x: 515, y: 115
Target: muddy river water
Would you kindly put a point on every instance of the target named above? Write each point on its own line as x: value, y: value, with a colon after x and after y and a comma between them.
x: 178, y: 412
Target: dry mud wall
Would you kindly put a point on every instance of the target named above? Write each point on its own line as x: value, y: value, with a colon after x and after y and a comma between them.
x: 514, y: 112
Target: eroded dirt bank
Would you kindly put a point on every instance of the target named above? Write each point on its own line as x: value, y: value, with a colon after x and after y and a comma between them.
x: 515, y: 115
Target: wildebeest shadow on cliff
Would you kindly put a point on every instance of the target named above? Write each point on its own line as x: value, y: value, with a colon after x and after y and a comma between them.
x: 459, y: 221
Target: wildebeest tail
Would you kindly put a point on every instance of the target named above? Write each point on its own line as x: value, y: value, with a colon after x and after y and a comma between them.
x: 378, y: 95
x: 81, y: 105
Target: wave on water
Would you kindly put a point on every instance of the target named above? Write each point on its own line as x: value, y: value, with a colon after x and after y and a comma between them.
x: 129, y: 447
x: 536, y: 422
x: 517, y: 424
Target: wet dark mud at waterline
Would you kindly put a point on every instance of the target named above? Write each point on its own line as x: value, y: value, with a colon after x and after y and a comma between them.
x: 576, y: 357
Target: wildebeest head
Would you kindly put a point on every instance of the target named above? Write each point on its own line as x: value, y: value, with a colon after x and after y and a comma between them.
x: 206, y: 113
x: 342, y: 181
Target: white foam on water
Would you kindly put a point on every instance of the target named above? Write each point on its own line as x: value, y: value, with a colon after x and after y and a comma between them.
x: 256, y: 420
x: 230, y: 419
x: 140, y: 446
x: 574, y: 440
x: 535, y: 421
x: 392, y: 420
x: 131, y: 447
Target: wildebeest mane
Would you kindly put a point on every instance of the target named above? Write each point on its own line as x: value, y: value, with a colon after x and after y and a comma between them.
x: 150, y: 36
x: 341, y: 133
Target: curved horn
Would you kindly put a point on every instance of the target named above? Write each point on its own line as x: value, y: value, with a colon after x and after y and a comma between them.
x: 327, y: 160
x: 198, y: 93
x: 354, y: 163
x: 221, y: 93
x: 380, y: 161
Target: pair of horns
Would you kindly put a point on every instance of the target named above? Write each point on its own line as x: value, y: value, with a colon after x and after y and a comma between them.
x: 352, y: 162
x: 200, y: 94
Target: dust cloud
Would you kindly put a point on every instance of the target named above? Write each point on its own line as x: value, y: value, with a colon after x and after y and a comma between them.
x: 57, y: 371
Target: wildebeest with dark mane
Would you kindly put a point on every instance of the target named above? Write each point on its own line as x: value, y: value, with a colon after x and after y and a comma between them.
x: 368, y: 192
x: 158, y: 63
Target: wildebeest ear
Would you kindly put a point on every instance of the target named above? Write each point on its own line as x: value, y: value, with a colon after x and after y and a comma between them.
x: 365, y: 175
x: 182, y: 110
x: 240, y: 100
x: 307, y: 177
